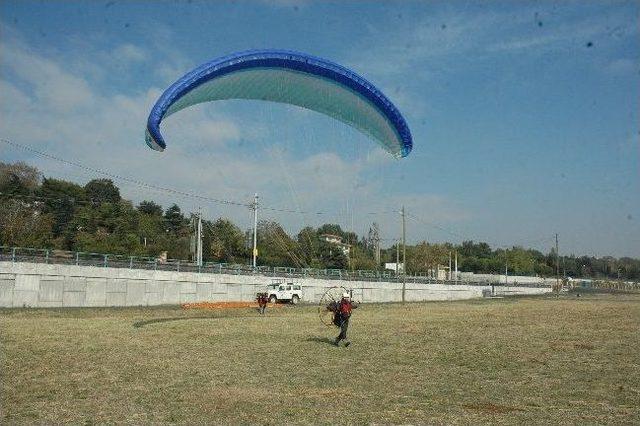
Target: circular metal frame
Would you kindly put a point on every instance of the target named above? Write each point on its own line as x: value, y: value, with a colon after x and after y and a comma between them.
x: 332, y: 295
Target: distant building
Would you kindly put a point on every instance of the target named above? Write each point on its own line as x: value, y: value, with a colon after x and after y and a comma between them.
x: 391, y: 266
x: 441, y: 273
x: 337, y: 241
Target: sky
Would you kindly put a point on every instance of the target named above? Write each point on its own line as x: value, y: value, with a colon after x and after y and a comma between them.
x: 524, y: 115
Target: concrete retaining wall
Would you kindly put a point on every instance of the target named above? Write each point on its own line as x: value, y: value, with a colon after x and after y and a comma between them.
x: 41, y: 285
x: 501, y: 278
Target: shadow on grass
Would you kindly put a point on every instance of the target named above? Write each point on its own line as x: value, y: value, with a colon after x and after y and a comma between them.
x: 139, y: 324
x: 325, y: 340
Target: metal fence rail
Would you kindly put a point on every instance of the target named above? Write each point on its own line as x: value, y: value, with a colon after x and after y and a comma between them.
x: 62, y: 257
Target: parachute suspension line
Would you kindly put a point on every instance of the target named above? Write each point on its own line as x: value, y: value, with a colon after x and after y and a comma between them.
x: 350, y: 191
x: 311, y: 138
x: 283, y: 245
x: 283, y: 169
x: 277, y: 155
x: 266, y: 114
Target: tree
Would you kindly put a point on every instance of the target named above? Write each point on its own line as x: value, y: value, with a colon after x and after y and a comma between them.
x: 424, y: 257
x: 478, y: 250
x: 372, y: 243
x: 361, y: 258
x: 102, y: 191
x: 153, y: 235
x: 332, y: 229
x: 309, y: 244
x: 226, y: 242
x: 174, y: 219
x: 150, y: 208
x: 332, y: 256
x: 276, y: 248
x: 108, y: 228
x: 18, y: 178
x: 54, y: 213
x: 23, y: 225
x: 61, y: 199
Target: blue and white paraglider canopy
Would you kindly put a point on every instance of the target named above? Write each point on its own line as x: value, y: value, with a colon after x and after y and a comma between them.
x: 291, y: 78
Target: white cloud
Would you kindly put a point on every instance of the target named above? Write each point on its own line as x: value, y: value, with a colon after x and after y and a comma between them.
x: 54, y: 88
x: 130, y: 53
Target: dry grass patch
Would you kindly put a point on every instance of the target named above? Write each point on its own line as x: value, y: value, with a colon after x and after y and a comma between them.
x: 530, y: 361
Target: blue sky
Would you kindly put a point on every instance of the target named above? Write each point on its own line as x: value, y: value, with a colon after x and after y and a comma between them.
x: 525, y: 115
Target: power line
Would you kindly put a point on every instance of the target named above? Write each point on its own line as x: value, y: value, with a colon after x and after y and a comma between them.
x: 122, y: 178
x: 424, y: 222
x: 274, y: 209
x: 493, y: 243
x: 162, y: 188
x: 206, y: 198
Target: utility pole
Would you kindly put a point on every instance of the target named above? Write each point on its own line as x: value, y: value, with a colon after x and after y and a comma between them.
x: 376, y: 243
x: 455, y: 276
x: 557, y: 264
x: 397, y: 256
x: 450, y: 265
x: 506, y: 270
x: 404, y: 256
x: 255, y: 229
x: 199, y: 241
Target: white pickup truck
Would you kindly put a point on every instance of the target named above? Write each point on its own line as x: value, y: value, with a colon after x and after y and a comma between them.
x: 282, y: 291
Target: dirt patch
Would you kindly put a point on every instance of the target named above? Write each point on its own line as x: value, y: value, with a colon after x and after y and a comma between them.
x: 223, y: 305
x: 488, y: 407
x: 583, y: 346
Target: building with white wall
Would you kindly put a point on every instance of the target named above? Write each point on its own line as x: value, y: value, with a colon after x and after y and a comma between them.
x: 336, y: 240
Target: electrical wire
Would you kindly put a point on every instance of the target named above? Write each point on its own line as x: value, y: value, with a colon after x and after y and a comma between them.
x: 162, y: 188
x: 122, y: 178
x: 148, y: 186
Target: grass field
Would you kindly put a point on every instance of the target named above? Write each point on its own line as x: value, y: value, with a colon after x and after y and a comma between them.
x: 525, y: 360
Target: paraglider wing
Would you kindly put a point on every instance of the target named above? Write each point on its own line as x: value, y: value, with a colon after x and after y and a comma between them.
x: 292, y: 78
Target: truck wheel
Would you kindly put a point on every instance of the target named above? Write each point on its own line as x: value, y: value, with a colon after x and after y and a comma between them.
x: 273, y: 299
x: 295, y: 299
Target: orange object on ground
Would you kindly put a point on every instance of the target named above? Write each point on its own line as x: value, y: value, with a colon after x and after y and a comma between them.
x: 221, y: 305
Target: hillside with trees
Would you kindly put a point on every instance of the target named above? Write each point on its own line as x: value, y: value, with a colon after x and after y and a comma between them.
x: 42, y: 212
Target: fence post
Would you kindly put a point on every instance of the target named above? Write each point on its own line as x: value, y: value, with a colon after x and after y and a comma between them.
x: 13, y: 254
x: 105, y: 260
x: 77, y: 258
x: 46, y: 256
x: 178, y: 266
x: 131, y: 262
x: 155, y: 264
